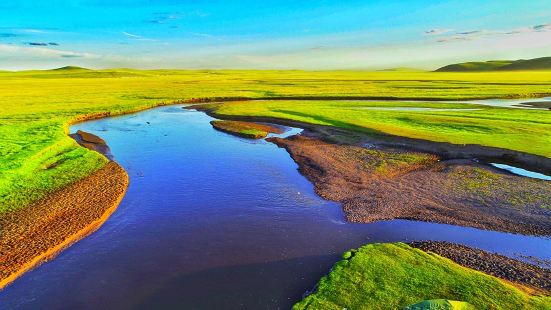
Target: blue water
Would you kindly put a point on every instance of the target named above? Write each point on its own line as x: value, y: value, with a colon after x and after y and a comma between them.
x: 522, y: 172
x: 214, y: 221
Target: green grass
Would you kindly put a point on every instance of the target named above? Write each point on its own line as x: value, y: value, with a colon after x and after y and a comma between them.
x: 521, y: 130
x: 37, y: 157
x: 243, y: 129
x: 394, y: 276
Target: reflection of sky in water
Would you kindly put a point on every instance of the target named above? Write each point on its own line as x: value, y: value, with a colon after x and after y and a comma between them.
x: 512, y: 103
x: 209, y: 212
x: 523, y: 172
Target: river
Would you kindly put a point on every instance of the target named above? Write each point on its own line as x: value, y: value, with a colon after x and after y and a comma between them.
x: 214, y: 221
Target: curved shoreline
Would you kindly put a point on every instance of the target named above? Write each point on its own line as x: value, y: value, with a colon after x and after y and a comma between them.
x: 386, y: 184
x: 446, y: 150
x: 525, y: 275
x: 92, y: 226
x: 58, y: 221
x: 336, y: 98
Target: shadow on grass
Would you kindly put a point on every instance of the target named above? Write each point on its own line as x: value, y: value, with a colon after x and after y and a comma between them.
x: 332, y: 122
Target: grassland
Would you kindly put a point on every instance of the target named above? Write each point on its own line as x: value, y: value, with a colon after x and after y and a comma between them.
x: 521, y: 130
x: 394, y: 276
x: 36, y: 107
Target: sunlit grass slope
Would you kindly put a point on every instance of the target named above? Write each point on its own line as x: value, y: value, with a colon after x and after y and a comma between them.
x: 394, y: 276
x: 521, y: 130
x: 37, y: 157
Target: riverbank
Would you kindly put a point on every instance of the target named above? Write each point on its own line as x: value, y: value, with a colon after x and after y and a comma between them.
x: 39, y: 160
x: 384, y: 184
x: 535, y: 278
x: 251, y: 193
x: 395, y: 275
x: 246, y: 129
x: 518, y: 133
x: 37, y: 108
x: 38, y: 232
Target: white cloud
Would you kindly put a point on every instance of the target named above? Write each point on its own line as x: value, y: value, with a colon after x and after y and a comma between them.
x: 131, y: 35
x: 15, y: 51
x: 136, y: 37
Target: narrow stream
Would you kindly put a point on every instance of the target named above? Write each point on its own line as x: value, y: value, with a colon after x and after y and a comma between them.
x: 522, y: 172
x: 211, y: 221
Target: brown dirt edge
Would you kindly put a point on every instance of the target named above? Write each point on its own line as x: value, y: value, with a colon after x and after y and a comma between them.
x: 37, y: 233
x: 438, y: 192
x: 223, y: 99
x: 445, y: 150
x: 236, y: 128
x: 531, y: 278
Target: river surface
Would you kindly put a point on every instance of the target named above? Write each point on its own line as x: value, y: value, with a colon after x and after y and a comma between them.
x: 211, y: 221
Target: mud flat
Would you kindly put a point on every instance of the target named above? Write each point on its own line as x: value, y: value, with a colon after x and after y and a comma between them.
x: 246, y: 129
x: 499, y: 266
x: 38, y: 232
x: 385, y: 183
x: 92, y: 142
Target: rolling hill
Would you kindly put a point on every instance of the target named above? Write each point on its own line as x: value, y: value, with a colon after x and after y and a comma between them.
x: 543, y: 63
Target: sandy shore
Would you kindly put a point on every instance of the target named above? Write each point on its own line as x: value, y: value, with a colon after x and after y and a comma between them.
x: 536, y: 278
x: 385, y: 184
x: 38, y: 232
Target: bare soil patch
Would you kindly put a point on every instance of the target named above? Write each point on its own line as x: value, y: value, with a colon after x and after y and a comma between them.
x: 497, y: 265
x: 385, y: 184
x: 38, y: 232
x: 246, y: 129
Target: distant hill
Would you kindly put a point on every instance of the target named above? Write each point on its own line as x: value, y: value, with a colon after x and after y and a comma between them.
x: 401, y: 69
x: 543, y: 63
x: 70, y: 68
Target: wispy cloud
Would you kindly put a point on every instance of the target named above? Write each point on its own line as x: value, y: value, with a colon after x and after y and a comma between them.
x: 543, y: 27
x: 9, y: 35
x: 163, y: 18
x: 72, y: 56
x: 136, y: 37
x: 437, y: 31
x: 40, y: 51
x: 484, y: 33
x: 42, y: 44
x: 167, y: 17
x: 203, y: 35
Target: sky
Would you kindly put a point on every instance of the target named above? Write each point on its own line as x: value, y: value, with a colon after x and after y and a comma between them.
x: 266, y: 34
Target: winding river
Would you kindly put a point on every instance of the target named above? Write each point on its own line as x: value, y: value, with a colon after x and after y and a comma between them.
x: 214, y: 221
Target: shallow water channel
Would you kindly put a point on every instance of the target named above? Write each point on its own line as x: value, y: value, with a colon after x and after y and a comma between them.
x: 214, y: 221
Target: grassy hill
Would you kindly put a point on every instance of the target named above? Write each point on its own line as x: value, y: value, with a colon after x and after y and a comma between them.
x: 70, y: 68
x: 475, y: 66
x: 543, y: 63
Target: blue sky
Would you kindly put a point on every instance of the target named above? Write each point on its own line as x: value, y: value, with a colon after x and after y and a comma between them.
x: 269, y: 34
